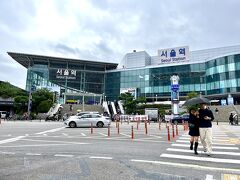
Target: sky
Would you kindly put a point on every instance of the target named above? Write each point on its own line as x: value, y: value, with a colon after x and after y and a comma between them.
x: 106, y: 30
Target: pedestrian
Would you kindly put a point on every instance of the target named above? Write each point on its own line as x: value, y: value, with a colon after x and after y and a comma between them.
x: 216, y: 110
x: 194, y: 129
x: 231, y: 119
x: 205, y: 128
x: 70, y: 107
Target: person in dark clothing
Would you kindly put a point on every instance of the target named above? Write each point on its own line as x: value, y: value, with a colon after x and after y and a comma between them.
x: 205, y: 128
x: 231, y: 119
x: 194, y: 129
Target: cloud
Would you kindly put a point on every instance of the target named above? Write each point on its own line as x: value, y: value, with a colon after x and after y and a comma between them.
x: 108, y: 29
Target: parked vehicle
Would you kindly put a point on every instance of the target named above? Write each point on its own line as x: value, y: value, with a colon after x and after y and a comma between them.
x: 152, y: 114
x: 3, y: 114
x: 180, y: 118
x: 86, y: 120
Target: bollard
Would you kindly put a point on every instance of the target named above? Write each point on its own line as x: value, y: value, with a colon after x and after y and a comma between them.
x: 159, y: 125
x: 91, y: 128
x: 176, y: 130
x: 118, y: 128
x: 128, y: 119
x: 137, y: 125
x: 183, y: 125
x: 108, y: 130
x: 132, y: 133
x: 173, y: 133
x: 0, y: 121
x: 146, y: 131
x: 168, y: 133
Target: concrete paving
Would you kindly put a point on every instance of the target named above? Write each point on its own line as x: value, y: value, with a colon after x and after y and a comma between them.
x: 49, y: 150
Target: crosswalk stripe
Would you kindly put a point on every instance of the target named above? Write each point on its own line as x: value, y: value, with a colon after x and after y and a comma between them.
x: 186, y: 141
x: 209, y: 159
x: 214, y: 152
x: 83, y: 134
x: 102, y: 134
x: 214, y: 135
x: 214, y: 147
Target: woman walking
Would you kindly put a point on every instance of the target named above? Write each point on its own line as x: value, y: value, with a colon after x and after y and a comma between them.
x: 194, y: 130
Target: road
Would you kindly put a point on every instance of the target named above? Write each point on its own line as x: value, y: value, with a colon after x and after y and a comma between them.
x: 49, y: 150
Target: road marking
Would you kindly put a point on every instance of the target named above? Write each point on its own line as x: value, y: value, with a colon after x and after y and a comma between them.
x: 26, y: 134
x: 125, y: 135
x: 102, y: 134
x: 209, y: 159
x: 63, y: 155
x: 99, y: 157
x: 191, y: 166
x: 155, y: 136
x: 186, y: 141
x: 214, y: 152
x: 6, y: 152
x: 67, y: 142
x: 34, y: 145
x: 83, y: 134
x: 64, y: 134
x: 11, y: 139
x: 45, y: 134
x: 214, y: 147
x: 33, y: 154
x: 209, y: 177
x: 51, y: 130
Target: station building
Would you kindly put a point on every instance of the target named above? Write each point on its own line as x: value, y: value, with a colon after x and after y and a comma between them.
x: 214, y: 73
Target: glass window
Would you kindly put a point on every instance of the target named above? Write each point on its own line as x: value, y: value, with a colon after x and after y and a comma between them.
x: 197, y: 87
x: 233, y: 83
x: 146, y: 77
x: 203, y: 87
x: 222, y: 84
x: 161, y: 88
x: 147, y: 89
x: 231, y: 67
x: 192, y: 87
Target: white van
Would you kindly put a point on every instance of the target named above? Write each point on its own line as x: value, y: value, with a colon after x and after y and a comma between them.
x: 3, y: 114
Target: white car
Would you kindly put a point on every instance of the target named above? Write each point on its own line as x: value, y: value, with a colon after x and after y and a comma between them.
x: 88, y: 120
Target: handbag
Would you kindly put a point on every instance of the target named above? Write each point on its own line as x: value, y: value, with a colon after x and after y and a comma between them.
x: 191, y: 125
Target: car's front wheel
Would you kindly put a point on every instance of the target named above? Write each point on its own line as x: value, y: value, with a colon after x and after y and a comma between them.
x: 100, y: 124
x: 72, y: 124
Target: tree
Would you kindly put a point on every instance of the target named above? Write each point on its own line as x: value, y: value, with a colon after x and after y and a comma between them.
x: 7, y: 90
x: 130, y: 104
x: 40, y: 96
x: 44, y: 106
x: 190, y: 96
x: 20, y: 104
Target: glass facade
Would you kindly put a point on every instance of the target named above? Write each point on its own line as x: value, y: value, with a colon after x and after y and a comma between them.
x: 211, y: 76
x: 217, y: 76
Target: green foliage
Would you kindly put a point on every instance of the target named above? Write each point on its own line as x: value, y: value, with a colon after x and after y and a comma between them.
x: 39, y: 97
x: 44, y: 106
x: 130, y: 104
x: 7, y: 90
x: 133, y: 106
x: 192, y: 95
x: 20, y: 104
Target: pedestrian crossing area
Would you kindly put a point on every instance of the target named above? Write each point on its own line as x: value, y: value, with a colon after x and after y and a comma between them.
x: 225, y: 152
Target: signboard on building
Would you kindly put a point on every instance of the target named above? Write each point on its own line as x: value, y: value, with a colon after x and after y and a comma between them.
x: 174, y: 55
x: 132, y: 91
x: 66, y: 74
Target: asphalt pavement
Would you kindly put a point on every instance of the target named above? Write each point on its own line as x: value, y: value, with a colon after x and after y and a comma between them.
x: 49, y: 150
